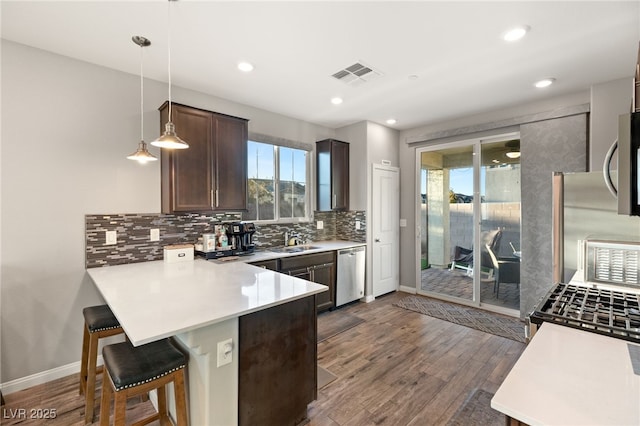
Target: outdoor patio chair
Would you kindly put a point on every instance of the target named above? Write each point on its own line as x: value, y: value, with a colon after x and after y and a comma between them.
x: 463, y: 257
x: 506, y: 271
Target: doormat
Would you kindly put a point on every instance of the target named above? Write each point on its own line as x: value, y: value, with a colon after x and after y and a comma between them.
x: 477, y: 411
x: 489, y: 322
x: 335, y: 322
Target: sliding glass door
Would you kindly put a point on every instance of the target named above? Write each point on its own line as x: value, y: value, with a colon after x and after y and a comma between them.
x: 469, y: 222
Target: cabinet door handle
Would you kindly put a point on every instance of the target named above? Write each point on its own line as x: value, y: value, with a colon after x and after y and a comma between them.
x: 212, y: 198
x: 217, y: 198
x: 335, y: 201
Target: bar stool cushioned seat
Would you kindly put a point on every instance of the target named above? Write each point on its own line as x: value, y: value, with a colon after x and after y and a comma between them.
x: 100, y: 318
x: 99, y: 322
x: 131, y: 371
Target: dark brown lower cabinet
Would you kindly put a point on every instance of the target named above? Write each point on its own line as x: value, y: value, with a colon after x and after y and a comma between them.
x: 272, y: 264
x: 319, y: 268
x: 278, y: 364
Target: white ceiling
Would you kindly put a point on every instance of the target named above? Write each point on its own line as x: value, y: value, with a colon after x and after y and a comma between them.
x: 455, y: 48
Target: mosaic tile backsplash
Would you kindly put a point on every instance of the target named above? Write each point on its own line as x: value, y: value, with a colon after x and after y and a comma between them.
x: 133, y: 243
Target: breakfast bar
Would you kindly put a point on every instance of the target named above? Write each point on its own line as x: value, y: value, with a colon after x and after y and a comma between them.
x: 210, y: 309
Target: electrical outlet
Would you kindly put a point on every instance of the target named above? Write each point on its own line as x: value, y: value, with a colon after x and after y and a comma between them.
x: 110, y: 237
x: 357, y: 225
x: 154, y: 234
x: 319, y: 224
x: 225, y: 352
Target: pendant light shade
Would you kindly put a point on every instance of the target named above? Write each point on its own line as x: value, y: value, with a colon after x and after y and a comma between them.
x: 169, y: 139
x: 142, y: 155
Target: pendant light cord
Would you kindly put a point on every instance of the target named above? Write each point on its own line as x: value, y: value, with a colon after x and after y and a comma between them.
x: 169, y: 53
x: 141, y: 93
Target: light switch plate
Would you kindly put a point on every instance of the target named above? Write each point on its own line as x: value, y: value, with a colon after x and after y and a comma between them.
x: 403, y: 223
x: 110, y: 237
x: 357, y: 225
x: 319, y: 224
x: 154, y: 234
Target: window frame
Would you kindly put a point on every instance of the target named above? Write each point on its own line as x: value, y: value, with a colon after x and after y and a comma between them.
x: 308, y: 184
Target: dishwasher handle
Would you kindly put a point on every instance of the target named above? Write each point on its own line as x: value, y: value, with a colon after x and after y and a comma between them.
x: 351, y: 251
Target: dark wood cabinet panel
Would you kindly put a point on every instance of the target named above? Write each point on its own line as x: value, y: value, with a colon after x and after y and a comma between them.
x: 187, y: 173
x: 212, y: 173
x: 319, y: 268
x: 332, y: 180
x: 231, y: 163
x: 325, y: 274
x: 277, y: 371
x: 272, y: 265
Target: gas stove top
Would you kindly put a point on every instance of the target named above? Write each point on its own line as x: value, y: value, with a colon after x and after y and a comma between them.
x: 611, y: 312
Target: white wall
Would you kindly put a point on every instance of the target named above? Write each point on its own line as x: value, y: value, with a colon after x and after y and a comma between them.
x: 66, y: 129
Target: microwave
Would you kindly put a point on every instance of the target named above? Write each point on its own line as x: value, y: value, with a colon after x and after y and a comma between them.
x: 628, y: 161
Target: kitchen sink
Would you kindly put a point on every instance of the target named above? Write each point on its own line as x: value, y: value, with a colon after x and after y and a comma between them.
x: 293, y: 249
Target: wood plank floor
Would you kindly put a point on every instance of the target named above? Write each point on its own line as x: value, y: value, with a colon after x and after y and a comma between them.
x: 397, y: 368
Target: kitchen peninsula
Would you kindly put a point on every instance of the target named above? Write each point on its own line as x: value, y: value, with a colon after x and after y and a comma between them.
x: 268, y: 316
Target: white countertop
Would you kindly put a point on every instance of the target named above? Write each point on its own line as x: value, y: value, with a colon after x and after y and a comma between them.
x: 153, y: 300
x: 267, y: 254
x: 571, y: 377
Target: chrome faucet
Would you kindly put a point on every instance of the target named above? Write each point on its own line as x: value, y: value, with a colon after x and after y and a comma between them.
x: 291, y: 239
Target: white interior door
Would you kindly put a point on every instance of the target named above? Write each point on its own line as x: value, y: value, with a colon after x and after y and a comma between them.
x: 385, y: 229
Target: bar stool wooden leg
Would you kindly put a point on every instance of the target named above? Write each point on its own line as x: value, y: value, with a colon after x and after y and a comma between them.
x: 105, y: 400
x: 90, y: 391
x: 83, y: 360
x: 119, y: 408
x: 181, y: 399
x: 162, y: 404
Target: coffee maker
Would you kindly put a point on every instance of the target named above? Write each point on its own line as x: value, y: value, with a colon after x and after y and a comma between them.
x: 240, y: 236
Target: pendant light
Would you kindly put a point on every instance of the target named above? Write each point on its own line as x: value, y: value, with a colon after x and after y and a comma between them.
x: 514, y: 149
x: 142, y: 155
x: 169, y: 139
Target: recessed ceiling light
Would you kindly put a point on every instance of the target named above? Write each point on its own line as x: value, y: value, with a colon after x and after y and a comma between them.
x: 336, y: 101
x: 245, y: 67
x: 545, y: 82
x: 516, y: 33
x: 413, y: 77
x: 392, y: 121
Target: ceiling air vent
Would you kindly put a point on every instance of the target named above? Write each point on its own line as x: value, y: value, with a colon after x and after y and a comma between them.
x: 356, y: 74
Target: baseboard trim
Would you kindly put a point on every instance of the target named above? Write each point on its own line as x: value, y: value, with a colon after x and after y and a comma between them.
x: 42, y: 377
x: 410, y: 290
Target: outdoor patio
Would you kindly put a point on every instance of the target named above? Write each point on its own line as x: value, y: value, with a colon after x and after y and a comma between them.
x: 458, y: 284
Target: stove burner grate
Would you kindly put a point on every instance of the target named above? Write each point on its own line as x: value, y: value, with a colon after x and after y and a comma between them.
x: 609, y: 312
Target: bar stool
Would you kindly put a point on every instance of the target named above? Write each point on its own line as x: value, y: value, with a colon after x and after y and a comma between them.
x: 130, y: 371
x: 99, y: 322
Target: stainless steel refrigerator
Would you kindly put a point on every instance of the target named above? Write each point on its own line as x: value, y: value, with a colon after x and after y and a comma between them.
x: 584, y: 208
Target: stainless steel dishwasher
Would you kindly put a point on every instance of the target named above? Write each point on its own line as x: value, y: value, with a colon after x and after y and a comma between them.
x: 350, y: 276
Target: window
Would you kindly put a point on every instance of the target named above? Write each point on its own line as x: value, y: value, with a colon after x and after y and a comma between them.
x: 277, y: 183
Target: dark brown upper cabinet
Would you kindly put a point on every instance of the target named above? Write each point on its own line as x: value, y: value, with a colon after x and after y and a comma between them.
x: 332, y: 165
x: 210, y: 175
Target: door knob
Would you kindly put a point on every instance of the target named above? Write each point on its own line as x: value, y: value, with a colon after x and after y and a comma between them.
x: 377, y: 240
